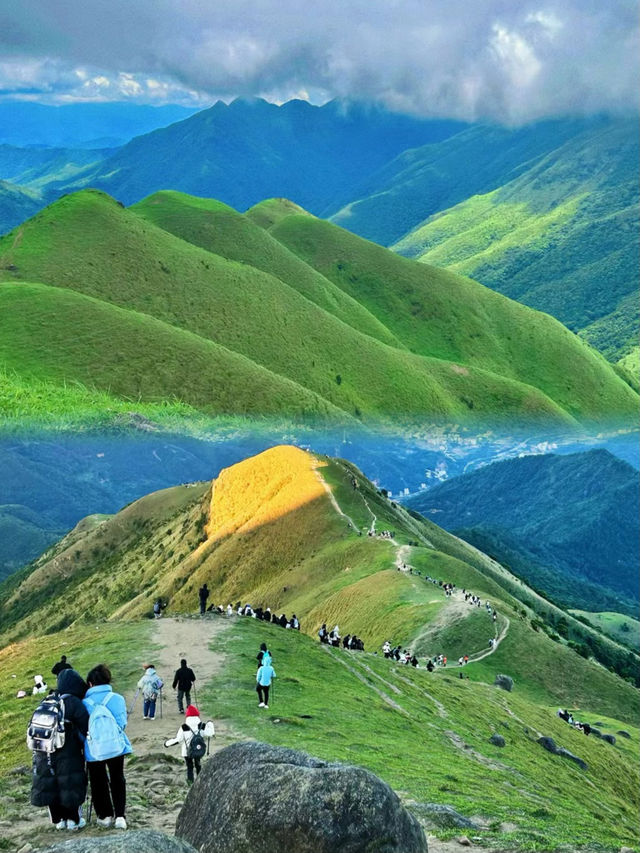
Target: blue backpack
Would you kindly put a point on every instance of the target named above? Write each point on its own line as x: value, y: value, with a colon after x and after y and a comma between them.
x: 105, y: 737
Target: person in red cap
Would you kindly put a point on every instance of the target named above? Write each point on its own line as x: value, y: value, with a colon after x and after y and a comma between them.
x: 191, y: 736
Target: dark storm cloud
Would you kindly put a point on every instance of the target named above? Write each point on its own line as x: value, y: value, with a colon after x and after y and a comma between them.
x: 512, y: 60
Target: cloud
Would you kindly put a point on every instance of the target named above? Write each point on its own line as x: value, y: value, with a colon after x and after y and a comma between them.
x: 507, y: 60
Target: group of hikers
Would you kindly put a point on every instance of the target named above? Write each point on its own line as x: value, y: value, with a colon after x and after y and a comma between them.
x: 240, y: 609
x: 567, y: 716
x: 78, y: 739
x: 332, y: 638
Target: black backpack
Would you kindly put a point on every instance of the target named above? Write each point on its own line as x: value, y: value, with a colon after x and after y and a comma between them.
x: 197, y: 747
x: 46, y: 731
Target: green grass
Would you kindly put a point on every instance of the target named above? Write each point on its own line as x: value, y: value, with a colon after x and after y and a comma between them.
x: 622, y: 628
x: 555, y: 238
x: 316, y: 351
x: 409, y: 746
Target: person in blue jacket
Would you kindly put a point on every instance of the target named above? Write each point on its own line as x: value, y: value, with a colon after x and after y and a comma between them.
x: 108, y: 785
x: 264, y: 676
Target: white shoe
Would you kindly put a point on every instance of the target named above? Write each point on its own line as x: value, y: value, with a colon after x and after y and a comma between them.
x: 105, y: 822
x: 75, y: 826
x: 265, y: 706
x: 261, y: 705
x: 151, y: 718
x: 61, y: 824
x: 120, y: 821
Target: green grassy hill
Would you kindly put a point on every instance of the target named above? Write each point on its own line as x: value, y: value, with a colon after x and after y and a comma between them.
x: 621, y: 627
x: 351, y: 330
x: 289, y: 529
x: 16, y: 205
x: 557, y: 237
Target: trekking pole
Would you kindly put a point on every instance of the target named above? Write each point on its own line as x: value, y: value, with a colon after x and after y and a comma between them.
x: 195, y: 695
x: 90, y: 810
x: 161, y: 703
x: 133, y: 704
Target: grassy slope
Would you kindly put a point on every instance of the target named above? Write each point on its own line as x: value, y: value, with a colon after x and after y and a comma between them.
x: 410, y: 745
x: 140, y: 267
x: 16, y: 205
x: 622, y: 628
x: 453, y: 318
x: 555, y: 238
x: 222, y: 230
x: 132, y: 355
x: 270, y: 536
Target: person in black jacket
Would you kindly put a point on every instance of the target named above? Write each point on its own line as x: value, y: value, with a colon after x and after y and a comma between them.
x: 203, y: 595
x: 59, y: 780
x: 60, y: 666
x: 183, y: 681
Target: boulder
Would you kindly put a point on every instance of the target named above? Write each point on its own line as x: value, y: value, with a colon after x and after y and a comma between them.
x: 444, y: 817
x: 253, y: 796
x: 497, y: 740
x: 138, y: 841
x: 609, y: 739
x: 595, y: 732
x: 550, y: 745
x: 623, y: 733
x: 505, y: 682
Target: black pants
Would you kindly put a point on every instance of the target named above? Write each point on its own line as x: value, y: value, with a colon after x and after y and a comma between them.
x: 191, y: 763
x: 182, y: 694
x: 263, y: 693
x: 109, y: 791
x: 203, y: 606
x: 59, y: 813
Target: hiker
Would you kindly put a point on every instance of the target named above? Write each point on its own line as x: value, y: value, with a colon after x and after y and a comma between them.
x: 157, y: 608
x: 39, y: 685
x: 183, y: 681
x: 58, y: 779
x: 323, y: 633
x: 105, y: 748
x: 264, y: 676
x: 264, y: 655
x: 191, y: 736
x: 151, y: 685
x: 295, y: 623
x: 430, y: 665
x: 57, y: 668
x: 203, y: 595
x: 229, y: 610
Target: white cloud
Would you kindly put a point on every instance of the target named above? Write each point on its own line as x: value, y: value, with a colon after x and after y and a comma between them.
x: 510, y: 60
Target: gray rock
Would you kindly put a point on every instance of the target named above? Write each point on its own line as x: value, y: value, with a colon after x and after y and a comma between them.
x: 445, y: 817
x: 623, y: 733
x: 505, y: 682
x: 550, y: 745
x: 596, y: 732
x: 609, y: 739
x: 497, y: 740
x: 138, y: 841
x: 253, y: 796
x: 598, y: 723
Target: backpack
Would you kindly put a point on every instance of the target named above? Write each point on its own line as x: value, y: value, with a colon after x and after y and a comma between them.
x: 197, y: 747
x: 105, y: 737
x: 45, y: 732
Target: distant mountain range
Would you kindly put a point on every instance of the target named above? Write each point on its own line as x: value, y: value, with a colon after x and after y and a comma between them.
x: 277, y: 313
x: 546, y: 213
x: 569, y: 525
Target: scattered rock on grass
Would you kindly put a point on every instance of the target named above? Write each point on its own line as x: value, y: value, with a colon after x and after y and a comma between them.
x: 623, y: 733
x: 609, y: 739
x: 444, y: 817
x: 253, y: 796
x: 550, y: 745
x: 505, y: 682
x: 138, y: 841
x: 497, y: 740
x: 464, y: 841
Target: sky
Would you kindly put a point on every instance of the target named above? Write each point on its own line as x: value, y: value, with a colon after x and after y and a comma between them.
x: 510, y: 61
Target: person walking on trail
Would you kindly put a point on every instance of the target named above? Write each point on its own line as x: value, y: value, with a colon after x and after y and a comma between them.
x: 151, y: 685
x: 264, y: 677
x: 264, y: 655
x: 203, y: 595
x: 183, y: 682
x: 62, y: 664
x: 58, y: 779
x: 190, y: 736
x: 105, y: 748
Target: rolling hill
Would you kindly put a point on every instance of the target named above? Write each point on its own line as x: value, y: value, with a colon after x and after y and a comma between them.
x: 351, y: 330
x: 289, y: 529
x: 559, y: 237
x: 567, y: 524
x: 16, y: 205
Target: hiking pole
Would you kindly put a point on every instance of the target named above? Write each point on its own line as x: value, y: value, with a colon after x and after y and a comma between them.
x: 133, y: 704
x: 90, y: 810
x: 195, y: 695
x: 161, y: 703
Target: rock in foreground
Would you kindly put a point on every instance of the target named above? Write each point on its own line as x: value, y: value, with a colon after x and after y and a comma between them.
x: 257, y: 797
x: 139, y: 841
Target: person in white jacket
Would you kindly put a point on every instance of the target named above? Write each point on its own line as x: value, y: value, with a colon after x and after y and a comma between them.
x: 191, y: 727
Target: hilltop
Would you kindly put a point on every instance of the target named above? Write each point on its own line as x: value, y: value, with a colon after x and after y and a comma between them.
x: 567, y: 524
x: 353, y: 331
x: 305, y: 533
